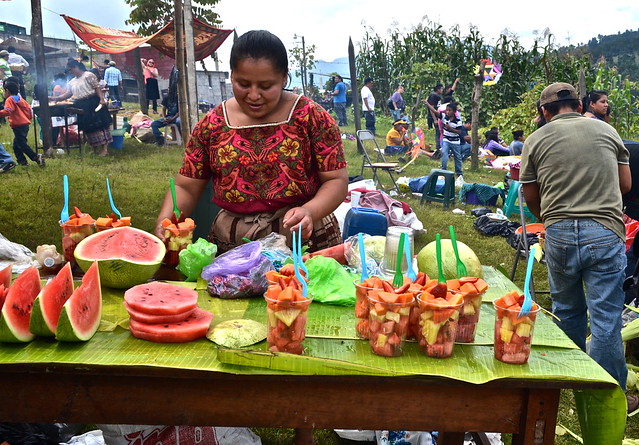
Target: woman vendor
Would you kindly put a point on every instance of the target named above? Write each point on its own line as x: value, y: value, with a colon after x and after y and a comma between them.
x: 95, y: 120
x: 276, y: 159
x: 151, y: 81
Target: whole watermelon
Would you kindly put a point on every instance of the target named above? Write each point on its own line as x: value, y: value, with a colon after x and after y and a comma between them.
x: 427, y: 260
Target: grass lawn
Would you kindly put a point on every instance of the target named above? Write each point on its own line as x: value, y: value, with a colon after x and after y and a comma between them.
x: 139, y: 175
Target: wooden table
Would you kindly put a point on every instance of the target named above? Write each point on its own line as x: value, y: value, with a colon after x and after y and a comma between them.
x: 155, y: 394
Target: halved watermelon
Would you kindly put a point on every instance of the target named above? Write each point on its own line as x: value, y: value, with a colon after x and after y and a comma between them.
x: 157, y: 298
x: 194, y: 327
x: 143, y: 317
x: 14, y: 323
x: 127, y: 256
x: 48, y: 304
x: 5, y: 276
x: 80, y: 316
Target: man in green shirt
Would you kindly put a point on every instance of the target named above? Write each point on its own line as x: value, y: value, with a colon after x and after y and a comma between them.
x: 574, y: 171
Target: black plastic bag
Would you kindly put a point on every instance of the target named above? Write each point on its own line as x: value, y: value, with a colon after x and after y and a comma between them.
x: 480, y: 211
x: 515, y: 241
x: 487, y: 226
x: 37, y: 433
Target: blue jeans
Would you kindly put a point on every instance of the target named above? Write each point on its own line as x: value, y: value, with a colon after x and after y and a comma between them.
x: 369, y: 118
x: 465, y: 150
x: 114, y: 93
x: 397, y: 114
x: 159, y: 123
x: 340, y: 111
x: 583, y: 253
x: 395, y: 149
x: 455, y: 149
x: 5, y: 157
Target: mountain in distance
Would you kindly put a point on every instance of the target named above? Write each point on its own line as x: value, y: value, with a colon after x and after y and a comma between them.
x: 620, y: 50
x: 322, y: 71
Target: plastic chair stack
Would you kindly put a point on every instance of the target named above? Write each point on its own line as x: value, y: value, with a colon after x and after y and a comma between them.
x: 430, y: 194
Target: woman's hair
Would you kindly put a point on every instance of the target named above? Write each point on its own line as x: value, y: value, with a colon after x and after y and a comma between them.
x: 96, y: 72
x: 517, y: 134
x: 492, y: 135
x: 76, y: 64
x: 260, y: 45
x: 591, y: 97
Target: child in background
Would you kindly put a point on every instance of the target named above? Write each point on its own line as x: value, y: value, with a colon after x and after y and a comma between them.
x: 19, y: 113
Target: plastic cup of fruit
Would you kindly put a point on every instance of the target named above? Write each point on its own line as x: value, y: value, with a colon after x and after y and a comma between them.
x: 388, y: 326
x: 438, y: 323
x: 513, y: 334
x: 468, y: 316
x: 362, y: 309
x: 72, y: 234
x: 176, y: 241
x: 286, y: 324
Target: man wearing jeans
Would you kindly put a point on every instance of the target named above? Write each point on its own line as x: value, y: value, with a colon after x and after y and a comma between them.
x: 368, y: 104
x: 339, y: 100
x: 574, y: 171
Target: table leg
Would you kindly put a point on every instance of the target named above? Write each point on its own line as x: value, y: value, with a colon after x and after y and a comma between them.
x: 450, y: 438
x: 539, y: 418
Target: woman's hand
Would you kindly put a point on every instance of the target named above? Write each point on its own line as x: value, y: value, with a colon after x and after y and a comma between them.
x: 103, y: 101
x: 159, y: 232
x: 296, y: 216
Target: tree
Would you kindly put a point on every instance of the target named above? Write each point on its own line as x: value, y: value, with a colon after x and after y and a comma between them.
x: 152, y: 15
x: 303, y: 59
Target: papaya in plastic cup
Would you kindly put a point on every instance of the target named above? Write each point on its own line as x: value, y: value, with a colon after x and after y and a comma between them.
x: 177, y: 239
x: 470, y: 310
x: 361, y: 309
x: 388, y: 315
x: 286, y: 320
x: 513, y: 334
x: 438, y: 321
x: 72, y: 234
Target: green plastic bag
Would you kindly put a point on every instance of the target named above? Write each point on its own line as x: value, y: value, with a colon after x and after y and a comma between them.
x: 195, y: 257
x: 329, y: 282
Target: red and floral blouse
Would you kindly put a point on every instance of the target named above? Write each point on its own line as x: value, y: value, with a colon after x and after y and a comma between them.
x: 263, y: 168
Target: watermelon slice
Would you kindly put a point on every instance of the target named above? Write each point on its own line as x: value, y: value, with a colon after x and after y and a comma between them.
x: 80, y: 316
x: 194, y: 327
x: 5, y: 276
x: 48, y: 304
x: 158, y: 298
x: 3, y: 294
x: 156, y: 319
x: 14, y: 322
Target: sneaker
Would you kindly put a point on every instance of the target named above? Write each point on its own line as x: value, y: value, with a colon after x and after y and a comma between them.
x: 40, y: 161
x: 8, y: 166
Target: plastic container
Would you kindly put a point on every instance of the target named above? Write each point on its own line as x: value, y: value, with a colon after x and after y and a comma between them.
x: 286, y: 324
x: 532, y: 228
x: 388, y: 324
x: 468, y: 316
x: 362, y: 309
x: 72, y: 234
x: 118, y: 142
x: 514, y: 173
x: 436, y: 338
x: 175, y: 242
x: 513, y: 334
x: 389, y: 263
x: 364, y: 220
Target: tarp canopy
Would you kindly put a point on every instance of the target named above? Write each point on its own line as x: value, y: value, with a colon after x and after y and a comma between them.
x: 207, y: 39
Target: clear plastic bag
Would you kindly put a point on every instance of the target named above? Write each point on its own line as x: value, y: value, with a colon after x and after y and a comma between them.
x: 374, y: 246
x: 238, y: 261
x: 195, y: 257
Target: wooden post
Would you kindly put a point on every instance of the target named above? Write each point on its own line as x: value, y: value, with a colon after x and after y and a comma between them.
x: 354, y: 92
x: 581, y: 86
x: 37, y: 40
x: 139, y: 77
x: 180, y: 62
x: 476, y: 104
x: 191, y: 75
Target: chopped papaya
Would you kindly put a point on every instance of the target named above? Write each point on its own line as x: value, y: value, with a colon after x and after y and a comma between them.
x: 166, y: 222
x: 104, y: 222
x: 481, y: 285
x: 456, y: 299
x: 468, y: 288
x: 463, y: 280
x: 453, y: 284
x: 388, y: 297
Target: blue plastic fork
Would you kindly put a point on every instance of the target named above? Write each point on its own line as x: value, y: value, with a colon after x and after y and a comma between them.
x: 410, y: 272
x: 299, y: 250
x: 115, y: 210
x: 528, y: 299
x: 64, y: 214
x: 362, y: 256
x: 296, y: 262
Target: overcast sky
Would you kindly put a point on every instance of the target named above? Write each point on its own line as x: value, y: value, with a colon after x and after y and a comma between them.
x: 328, y: 23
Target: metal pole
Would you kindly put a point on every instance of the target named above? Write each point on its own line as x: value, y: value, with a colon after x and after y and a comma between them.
x: 191, y: 75
x: 183, y: 104
x: 37, y: 40
x: 303, y: 66
x: 354, y: 91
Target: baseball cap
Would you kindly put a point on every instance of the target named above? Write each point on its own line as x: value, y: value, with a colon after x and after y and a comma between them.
x: 400, y: 122
x: 4, y: 52
x: 112, y: 63
x: 556, y: 92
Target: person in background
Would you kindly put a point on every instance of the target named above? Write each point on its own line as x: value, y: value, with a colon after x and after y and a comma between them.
x: 19, y: 113
x: 518, y: 143
x: 451, y: 141
x: 492, y: 144
x: 113, y: 79
x: 6, y: 160
x: 170, y: 115
x: 449, y: 91
x: 339, y: 100
x: 585, y: 237
x: 465, y: 139
x: 397, y: 102
x: 84, y: 60
x: 368, y: 104
x: 21, y: 68
x: 59, y: 88
x: 95, y: 120
x: 151, y: 81
x: 595, y: 105
x: 434, y: 100
x: 397, y: 140
x: 5, y: 69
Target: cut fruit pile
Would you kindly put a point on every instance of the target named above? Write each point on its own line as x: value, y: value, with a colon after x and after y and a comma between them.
x: 473, y: 290
x: 165, y: 313
x: 55, y: 310
x: 286, y: 273
x: 109, y: 222
x: 439, y: 313
x: 286, y: 309
x: 75, y: 229
x: 513, y: 334
x: 178, y: 234
x: 77, y: 218
x: 389, y: 315
x: 363, y: 290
